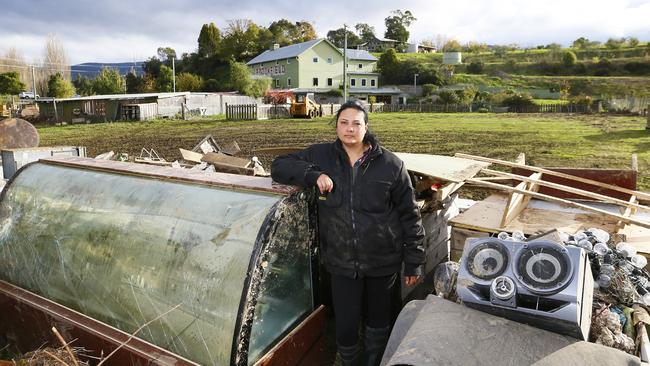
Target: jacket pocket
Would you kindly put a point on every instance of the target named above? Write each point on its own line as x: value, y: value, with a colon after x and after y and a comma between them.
x: 375, y: 197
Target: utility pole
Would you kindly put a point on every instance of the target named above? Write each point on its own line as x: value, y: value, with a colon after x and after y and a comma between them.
x: 415, y: 84
x: 174, y: 73
x: 33, y: 82
x: 345, y: 63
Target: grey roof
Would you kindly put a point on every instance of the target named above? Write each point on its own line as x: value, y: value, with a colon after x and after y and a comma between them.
x: 117, y: 96
x: 284, y: 52
x: 362, y: 55
x: 296, y: 49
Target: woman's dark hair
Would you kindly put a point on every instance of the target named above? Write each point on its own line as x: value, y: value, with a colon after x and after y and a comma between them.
x: 354, y: 104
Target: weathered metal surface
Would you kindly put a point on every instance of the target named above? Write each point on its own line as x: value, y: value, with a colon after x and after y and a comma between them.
x: 446, y: 168
x: 621, y: 178
x: 440, y: 332
x: 236, y: 181
x: 26, y: 322
x: 16, y: 133
x: 301, y: 345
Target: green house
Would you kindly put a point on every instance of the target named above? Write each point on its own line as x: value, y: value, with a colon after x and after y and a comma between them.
x: 316, y: 66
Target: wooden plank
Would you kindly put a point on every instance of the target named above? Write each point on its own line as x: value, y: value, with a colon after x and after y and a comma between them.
x: 627, y: 212
x: 485, y: 216
x: 561, y: 187
x: 447, y: 168
x: 191, y: 155
x: 561, y: 201
x: 447, y: 190
x: 557, y: 174
x: 517, y: 201
x: 214, y: 157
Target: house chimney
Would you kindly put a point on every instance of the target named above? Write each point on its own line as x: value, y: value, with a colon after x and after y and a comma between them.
x: 275, y: 47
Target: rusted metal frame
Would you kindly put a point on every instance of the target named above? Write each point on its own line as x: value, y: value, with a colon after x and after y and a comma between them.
x: 291, y: 350
x: 93, y: 331
x: 231, y: 181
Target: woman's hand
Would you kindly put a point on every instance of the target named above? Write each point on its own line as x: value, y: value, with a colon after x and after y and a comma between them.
x: 325, y: 183
x: 411, y: 280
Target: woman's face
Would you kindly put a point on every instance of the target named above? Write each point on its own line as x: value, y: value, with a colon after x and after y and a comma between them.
x: 351, y: 127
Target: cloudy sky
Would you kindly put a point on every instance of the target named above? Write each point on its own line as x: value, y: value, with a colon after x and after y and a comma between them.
x: 116, y: 31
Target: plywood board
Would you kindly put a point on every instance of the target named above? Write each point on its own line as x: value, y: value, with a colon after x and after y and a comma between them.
x: 486, y: 216
x: 446, y: 168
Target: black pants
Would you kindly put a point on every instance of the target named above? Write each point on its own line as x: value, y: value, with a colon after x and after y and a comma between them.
x: 347, y: 297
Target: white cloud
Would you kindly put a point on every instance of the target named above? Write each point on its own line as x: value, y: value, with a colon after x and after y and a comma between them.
x: 115, y: 31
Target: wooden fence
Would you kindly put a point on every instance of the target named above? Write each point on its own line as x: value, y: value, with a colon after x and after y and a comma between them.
x: 254, y: 112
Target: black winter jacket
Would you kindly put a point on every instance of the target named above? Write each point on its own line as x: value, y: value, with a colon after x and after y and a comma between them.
x: 368, y: 226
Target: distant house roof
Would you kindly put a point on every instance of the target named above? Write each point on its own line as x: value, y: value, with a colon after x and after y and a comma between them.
x: 362, y: 55
x: 116, y: 97
x: 295, y: 50
x: 284, y: 52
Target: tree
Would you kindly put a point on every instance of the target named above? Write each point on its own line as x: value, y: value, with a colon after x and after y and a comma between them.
x: 209, y: 40
x: 388, y: 64
x: 365, y: 31
x: 633, y: 41
x: 188, y: 82
x: 10, y: 83
x: 397, y: 24
x: 83, y: 85
x: 134, y: 83
x: 337, y: 37
x: 476, y: 47
x: 54, y: 60
x: 164, y: 81
x: 581, y: 43
x: 569, y: 59
x: 452, y: 45
x: 447, y: 97
x: 109, y: 81
x: 615, y: 43
x: 240, y: 77
x: 258, y: 87
x: 152, y: 67
x: 285, y: 33
x: 241, y: 40
x: 58, y: 87
x: 306, y: 31
x: 166, y: 53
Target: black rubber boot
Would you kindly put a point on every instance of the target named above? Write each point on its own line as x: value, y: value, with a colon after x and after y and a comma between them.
x: 375, y: 344
x: 349, y: 355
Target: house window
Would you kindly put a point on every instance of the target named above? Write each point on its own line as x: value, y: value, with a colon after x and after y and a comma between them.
x: 315, y: 59
x: 353, y: 82
x: 363, y: 82
x: 288, y: 61
x: 329, y: 81
x: 276, y: 62
x: 315, y: 82
x: 361, y: 66
x: 329, y: 60
x: 372, y: 82
x: 288, y: 81
x: 277, y: 83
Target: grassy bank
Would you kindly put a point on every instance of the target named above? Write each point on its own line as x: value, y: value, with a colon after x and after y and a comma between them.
x: 548, y: 140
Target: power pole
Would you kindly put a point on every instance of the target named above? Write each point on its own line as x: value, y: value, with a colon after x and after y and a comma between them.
x: 345, y: 63
x: 174, y: 73
x: 33, y: 82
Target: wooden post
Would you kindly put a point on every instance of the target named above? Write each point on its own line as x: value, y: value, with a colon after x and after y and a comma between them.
x: 56, y: 113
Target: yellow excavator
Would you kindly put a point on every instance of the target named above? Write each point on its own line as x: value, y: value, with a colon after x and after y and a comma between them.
x: 304, y: 107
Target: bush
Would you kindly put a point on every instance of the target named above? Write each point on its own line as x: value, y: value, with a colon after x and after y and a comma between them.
x: 518, y: 100
x: 58, y: 87
x: 447, y: 97
x: 188, y: 82
x: 211, y: 85
x: 582, y: 99
x: 569, y: 59
x: 637, y: 68
x: 428, y: 89
x: 475, y: 67
x: 10, y: 83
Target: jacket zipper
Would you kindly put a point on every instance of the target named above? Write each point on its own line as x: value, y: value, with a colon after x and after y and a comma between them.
x: 354, y: 224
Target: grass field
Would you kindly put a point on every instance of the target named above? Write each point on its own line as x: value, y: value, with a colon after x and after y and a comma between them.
x: 548, y: 140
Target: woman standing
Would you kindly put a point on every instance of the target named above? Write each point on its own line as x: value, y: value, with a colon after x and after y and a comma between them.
x: 369, y: 226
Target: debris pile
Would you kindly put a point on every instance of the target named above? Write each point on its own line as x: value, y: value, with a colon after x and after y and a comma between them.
x: 207, y: 156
